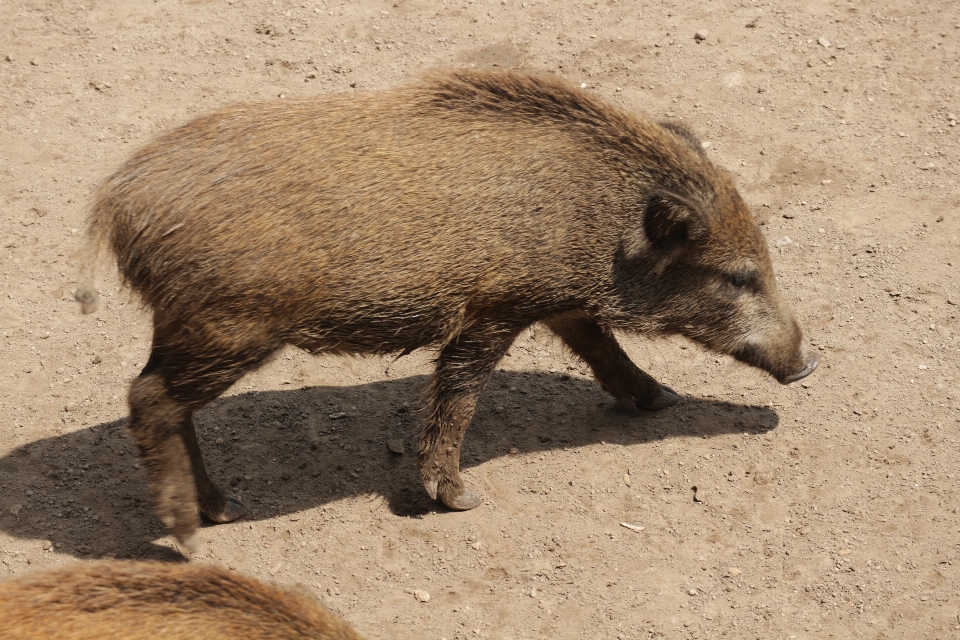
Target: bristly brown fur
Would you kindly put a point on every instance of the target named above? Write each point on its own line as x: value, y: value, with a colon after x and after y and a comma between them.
x: 146, y: 600
x: 451, y: 213
x: 534, y: 99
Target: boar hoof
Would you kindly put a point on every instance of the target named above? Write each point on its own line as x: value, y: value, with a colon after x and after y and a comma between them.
x: 190, y: 543
x: 431, y: 487
x: 668, y: 397
x: 464, y: 502
x: 180, y: 516
x: 233, y: 510
x: 175, y: 502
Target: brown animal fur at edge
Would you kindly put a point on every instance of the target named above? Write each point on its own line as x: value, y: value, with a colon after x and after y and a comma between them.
x: 133, y: 600
x: 452, y: 213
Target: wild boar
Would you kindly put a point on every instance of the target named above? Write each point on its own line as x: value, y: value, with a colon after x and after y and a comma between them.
x: 452, y: 213
x: 130, y: 600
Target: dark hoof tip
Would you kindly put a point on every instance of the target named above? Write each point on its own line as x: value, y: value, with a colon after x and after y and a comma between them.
x: 463, y: 502
x: 668, y: 397
x: 234, y: 510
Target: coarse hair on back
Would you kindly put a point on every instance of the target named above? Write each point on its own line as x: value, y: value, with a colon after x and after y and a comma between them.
x: 533, y: 98
x: 631, y: 143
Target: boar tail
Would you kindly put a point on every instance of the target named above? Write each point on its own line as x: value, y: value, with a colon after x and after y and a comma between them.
x: 93, y: 250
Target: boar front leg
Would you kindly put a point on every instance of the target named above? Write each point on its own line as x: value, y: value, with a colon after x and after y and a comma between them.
x: 612, y: 368
x: 463, y: 368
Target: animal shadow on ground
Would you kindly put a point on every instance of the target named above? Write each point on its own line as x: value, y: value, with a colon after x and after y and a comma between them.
x: 282, y: 452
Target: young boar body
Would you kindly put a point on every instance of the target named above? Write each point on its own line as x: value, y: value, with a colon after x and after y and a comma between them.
x: 133, y: 600
x: 454, y: 213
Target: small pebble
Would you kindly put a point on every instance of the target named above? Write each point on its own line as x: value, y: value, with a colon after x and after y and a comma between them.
x: 824, y: 43
x: 15, y: 509
x: 701, y: 35
x: 706, y: 144
x: 733, y: 572
x: 421, y: 596
x: 514, y: 451
x: 8, y: 58
x: 395, y: 445
x: 34, y: 63
x: 692, y: 592
x: 47, y: 545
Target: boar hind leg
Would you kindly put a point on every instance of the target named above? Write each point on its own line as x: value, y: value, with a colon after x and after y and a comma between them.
x: 215, y: 505
x: 463, y: 368
x: 612, y: 368
x: 162, y: 401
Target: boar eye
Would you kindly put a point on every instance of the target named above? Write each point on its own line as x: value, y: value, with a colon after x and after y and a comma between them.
x: 741, y: 279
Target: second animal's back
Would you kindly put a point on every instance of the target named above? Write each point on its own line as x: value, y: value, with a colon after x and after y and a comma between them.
x: 145, y: 600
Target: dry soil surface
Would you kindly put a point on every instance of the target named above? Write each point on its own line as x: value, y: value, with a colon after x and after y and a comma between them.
x: 827, y: 508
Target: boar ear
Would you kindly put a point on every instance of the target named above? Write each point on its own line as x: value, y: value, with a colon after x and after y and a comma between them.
x: 672, y: 222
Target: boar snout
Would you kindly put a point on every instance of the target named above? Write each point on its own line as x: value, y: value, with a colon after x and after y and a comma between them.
x: 785, y: 364
x: 811, y: 361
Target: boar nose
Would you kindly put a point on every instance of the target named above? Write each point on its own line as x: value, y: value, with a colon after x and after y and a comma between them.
x: 811, y: 360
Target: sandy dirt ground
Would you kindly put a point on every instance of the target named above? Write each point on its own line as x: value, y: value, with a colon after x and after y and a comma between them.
x: 821, y: 509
